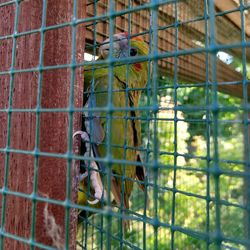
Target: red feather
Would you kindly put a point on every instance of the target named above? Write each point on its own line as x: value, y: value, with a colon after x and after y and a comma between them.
x: 137, y: 66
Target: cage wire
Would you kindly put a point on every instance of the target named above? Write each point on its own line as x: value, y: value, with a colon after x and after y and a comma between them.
x: 194, y: 115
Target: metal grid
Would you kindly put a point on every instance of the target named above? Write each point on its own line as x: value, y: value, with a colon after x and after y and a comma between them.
x: 185, y: 127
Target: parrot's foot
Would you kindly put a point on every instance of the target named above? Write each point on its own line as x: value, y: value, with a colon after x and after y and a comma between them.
x: 95, y: 177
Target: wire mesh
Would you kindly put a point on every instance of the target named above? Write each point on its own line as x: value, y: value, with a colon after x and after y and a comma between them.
x: 193, y: 111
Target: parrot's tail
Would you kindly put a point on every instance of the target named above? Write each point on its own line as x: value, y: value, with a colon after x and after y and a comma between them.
x: 140, y: 173
x: 116, y: 189
x: 141, y: 177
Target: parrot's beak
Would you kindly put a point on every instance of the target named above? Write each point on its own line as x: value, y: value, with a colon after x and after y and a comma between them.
x: 120, y: 43
x: 104, y: 50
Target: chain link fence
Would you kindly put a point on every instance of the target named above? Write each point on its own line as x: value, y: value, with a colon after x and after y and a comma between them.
x: 185, y: 115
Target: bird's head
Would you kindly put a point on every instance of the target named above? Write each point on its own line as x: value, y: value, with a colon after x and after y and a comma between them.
x: 125, y: 47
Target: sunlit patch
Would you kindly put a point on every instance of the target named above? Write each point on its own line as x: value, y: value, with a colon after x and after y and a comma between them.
x: 89, y: 57
x: 225, y: 57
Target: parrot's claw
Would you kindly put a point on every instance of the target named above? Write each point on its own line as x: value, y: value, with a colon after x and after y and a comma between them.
x: 84, y: 135
x: 95, y: 177
x: 93, y: 202
x: 97, y: 182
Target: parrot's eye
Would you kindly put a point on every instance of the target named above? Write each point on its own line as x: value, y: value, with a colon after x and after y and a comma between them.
x: 133, y: 52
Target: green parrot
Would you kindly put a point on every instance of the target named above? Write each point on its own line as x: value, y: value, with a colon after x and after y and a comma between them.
x: 127, y: 81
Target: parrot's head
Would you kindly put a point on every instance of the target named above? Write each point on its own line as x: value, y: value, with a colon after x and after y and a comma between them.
x: 125, y: 47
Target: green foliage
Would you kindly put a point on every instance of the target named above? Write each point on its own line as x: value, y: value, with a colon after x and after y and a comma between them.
x: 194, y: 140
